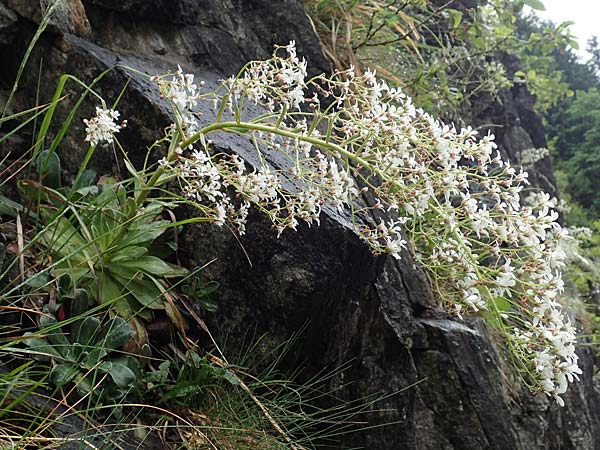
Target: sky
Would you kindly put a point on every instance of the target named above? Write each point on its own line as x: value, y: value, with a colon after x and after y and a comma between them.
x: 585, y: 14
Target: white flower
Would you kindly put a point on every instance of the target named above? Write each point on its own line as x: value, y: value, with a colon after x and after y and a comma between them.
x: 102, y: 127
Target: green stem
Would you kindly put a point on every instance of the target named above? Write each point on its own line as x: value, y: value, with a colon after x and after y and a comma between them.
x: 285, y: 133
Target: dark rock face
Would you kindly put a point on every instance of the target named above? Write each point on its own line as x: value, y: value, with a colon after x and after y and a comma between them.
x: 447, y: 385
x: 516, y: 125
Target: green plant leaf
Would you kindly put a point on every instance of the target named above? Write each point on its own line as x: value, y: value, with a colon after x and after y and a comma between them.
x: 94, y: 356
x: 455, y: 18
x: 87, y: 190
x: 84, y: 386
x: 155, y: 266
x: 43, y: 351
x: 132, y: 363
x: 79, y: 303
x: 110, y: 290
x: 9, y: 207
x: 502, y: 305
x: 48, y: 165
x: 124, y: 274
x: 56, y: 335
x: 208, y: 305
x: 535, y: 4
x: 86, y: 179
x: 145, y: 233
x: 143, y: 290
x: 118, y: 333
x: 231, y: 378
x: 122, y: 375
x: 63, y: 374
x: 88, y: 331
x: 207, y: 289
x: 131, y: 252
x: 147, y: 293
x: 38, y: 280
x: 123, y: 307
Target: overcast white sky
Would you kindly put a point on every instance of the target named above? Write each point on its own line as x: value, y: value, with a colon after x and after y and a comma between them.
x: 585, y: 14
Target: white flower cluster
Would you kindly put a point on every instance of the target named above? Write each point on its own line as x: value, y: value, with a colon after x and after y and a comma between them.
x: 553, y: 353
x: 532, y: 155
x: 447, y: 190
x: 103, y: 126
x: 226, y: 188
x: 280, y: 80
x: 184, y: 94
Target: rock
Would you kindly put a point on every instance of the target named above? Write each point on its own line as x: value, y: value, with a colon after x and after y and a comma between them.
x: 68, y: 16
x: 215, y: 35
x: 7, y: 18
x: 517, y: 126
x: 444, y: 383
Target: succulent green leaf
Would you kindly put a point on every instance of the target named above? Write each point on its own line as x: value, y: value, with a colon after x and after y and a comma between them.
x: 147, y: 293
x: 131, y: 252
x: 9, y: 207
x: 132, y: 363
x: 38, y: 280
x: 63, y: 374
x: 79, y: 303
x: 41, y: 348
x: 123, y: 307
x: 144, y: 233
x: 94, y: 356
x: 86, y: 179
x: 54, y: 333
x: 48, y: 165
x: 88, y: 331
x: 87, y: 190
x: 117, y: 333
x: 207, y: 289
x: 231, y: 378
x: 84, y: 386
x: 124, y: 274
x: 110, y: 290
x: 501, y: 304
x: 208, y: 305
x: 155, y: 266
x: 122, y: 375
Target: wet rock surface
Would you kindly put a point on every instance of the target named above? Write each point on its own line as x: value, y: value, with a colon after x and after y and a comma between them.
x: 451, y: 387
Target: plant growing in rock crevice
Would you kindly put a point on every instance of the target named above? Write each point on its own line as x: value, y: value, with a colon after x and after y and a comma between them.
x: 451, y: 194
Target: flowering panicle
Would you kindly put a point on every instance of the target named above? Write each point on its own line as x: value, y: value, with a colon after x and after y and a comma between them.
x: 280, y: 80
x: 103, y: 126
x: 184, y: 94
x: 448, y: 191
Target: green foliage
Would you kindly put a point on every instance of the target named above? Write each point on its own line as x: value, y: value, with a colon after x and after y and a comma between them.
x: 90, y: 355
x: 187, y: 382
x: 110, y: 243
x: 96, y: 237
x: 535, y: 4
x: 445, y: 57
x: 575, y: 131
x: 593, y: 48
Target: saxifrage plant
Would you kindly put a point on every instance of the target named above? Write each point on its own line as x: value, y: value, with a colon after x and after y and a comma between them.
x: 450, y: 193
